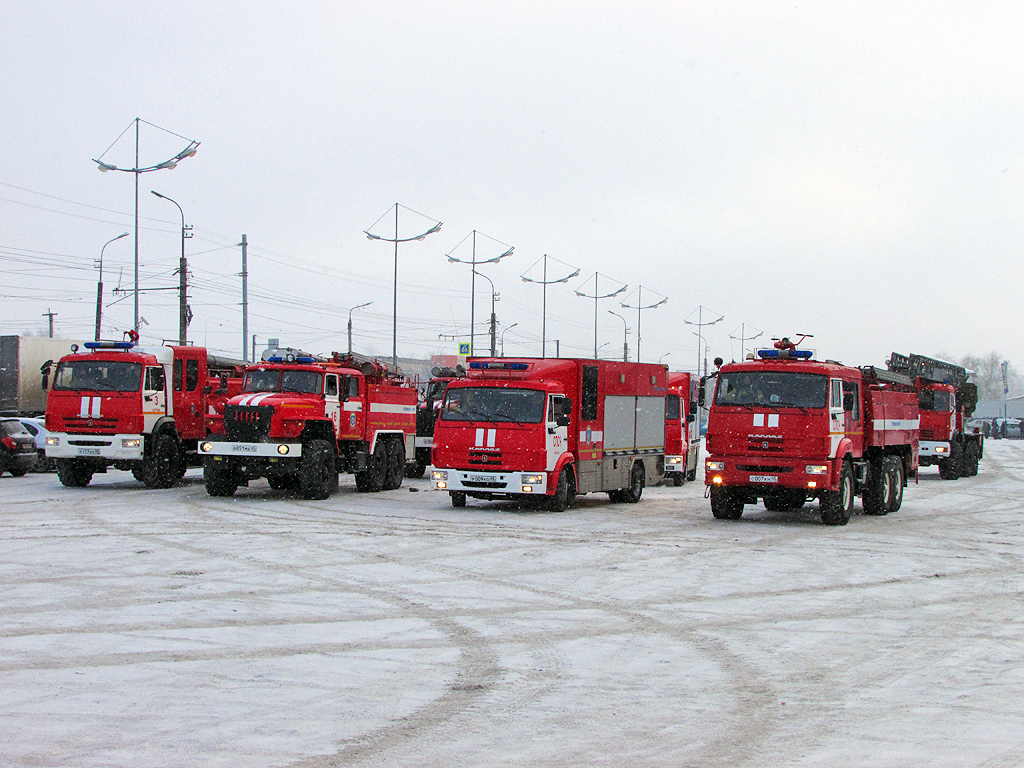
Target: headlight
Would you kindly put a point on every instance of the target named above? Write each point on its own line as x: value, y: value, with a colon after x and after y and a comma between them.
x: 816, y: 469
x: 283, y: 450
x: 53, y: 441
x: 675, y: 460
x: 206, y: 447
x: 131, y: 442
x: 533, y: 479
x: 714, y: 466
x: 942, y: 449
x: 439, y: 475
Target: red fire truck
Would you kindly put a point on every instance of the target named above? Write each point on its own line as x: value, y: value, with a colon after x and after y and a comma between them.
x: 300, y: 420
x: 786, y: 428
x: 545, y: 430
x: 682, y: 434
x: 144, y: 411
x: 946, y: 400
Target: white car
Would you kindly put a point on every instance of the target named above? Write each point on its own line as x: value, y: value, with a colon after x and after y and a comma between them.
x: 39, y: 432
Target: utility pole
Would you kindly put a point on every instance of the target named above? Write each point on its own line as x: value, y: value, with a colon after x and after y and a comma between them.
x: 245, y: 303
x: 50, y: 315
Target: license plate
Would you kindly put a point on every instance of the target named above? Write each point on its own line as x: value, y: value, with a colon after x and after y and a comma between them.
x: 88, y: 451
x: 764, y: 478
x: 483, y: 478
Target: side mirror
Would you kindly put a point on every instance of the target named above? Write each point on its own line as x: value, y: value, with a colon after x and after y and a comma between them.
x: 563, y: 420
x: 690, y: 418
x: 207, y: 389
x: 45, y: 370
x: 700, y: 391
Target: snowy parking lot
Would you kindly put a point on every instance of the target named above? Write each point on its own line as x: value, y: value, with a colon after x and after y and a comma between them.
x: 169, y: 628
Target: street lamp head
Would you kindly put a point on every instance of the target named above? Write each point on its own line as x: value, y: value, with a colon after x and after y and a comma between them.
x: 167, y: 165
x: 104, y: 167
x: 154, y: 192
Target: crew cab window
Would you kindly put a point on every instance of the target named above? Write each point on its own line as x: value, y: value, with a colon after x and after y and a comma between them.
x: 853, y: 387
x: 331, y: 386
x: 191, y: 375
x: 178, y: 378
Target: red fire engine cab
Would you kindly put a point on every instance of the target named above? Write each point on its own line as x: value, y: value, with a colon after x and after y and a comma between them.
x: 300, y: 419
x: 545, y: 430
x: 144, y: 411
x: 786, y: 428
x: 682, y: 434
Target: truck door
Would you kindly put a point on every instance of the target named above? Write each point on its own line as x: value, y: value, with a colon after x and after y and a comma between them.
x: 154, y: 396
x: 353, y: 417
x: 837, y: 419
x: 332, y: 401
x: 557, y: 436
x: 188, y: 397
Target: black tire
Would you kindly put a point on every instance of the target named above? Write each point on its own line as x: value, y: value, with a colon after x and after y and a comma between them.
x: 952, y: 468
x: 458, y: 498
x: 73, y: 473
x: 396, y: 463
x: 677, y: 479
x: 878, y: 492
x: 560, y: 499
x: 837, y: 506
x: 139, y: 472
x: 971, y: 459
x: 160, y: 470
x: 20, y: 472
x: 282, y: 482
x: 726, y: 503
x: 316, y: 470
x: 896, y: 472
x: 416, y: 470
x: 43, y: 463
x: 635, y: 491
x: 616, y: 497
x: 691, y: 475
x: 376, y: 473
x: 780, y: 501
x: 220, y: 478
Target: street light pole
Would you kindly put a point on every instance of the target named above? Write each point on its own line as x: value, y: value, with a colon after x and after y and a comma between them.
x: 700, y: 330
x: 743, y: 339
x: 358, y: 306
x: 544, y: 303
x: 99, y: 285
x: 396, y: 240
x: 503, y: 337
x: 188, y: 151
x: 183, y: 310
x: 640, y: 306
x: 595, y: 297
x: 494, y: 319
x: 625, y: 333
x: 472, y: 288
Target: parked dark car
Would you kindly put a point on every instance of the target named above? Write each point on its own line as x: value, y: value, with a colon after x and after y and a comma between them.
x: 17, y: 448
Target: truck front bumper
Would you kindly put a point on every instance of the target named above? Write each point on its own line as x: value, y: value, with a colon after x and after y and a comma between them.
x: 675, y: 464
x: 243, y: 450
x: 60, y: 445
x: 488, y: 483
x: 937, y: 449
x: 761, y: 474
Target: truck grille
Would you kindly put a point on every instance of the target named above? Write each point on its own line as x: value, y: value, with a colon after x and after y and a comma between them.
x: 247, y: 423
x: 762, y: 443
x: 75, y: 424
x: 931, y: 434
x: 484, y: 459
x: 764, y: 469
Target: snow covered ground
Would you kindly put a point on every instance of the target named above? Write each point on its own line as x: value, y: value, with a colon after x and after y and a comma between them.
x: 168, y: 628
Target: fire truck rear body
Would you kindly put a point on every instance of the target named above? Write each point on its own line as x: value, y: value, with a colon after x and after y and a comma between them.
x: 682, y: 435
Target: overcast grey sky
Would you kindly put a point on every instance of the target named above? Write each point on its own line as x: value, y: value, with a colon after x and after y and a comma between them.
x: 851, y: 170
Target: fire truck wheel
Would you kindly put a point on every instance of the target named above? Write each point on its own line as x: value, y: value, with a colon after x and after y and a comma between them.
x: 560, y: 499
x: 220, y: 480
x: 396, y: 464
x: 282, y: 482
x: 691, y: 475
x: 726, y: 504
x: 952, y: 468
x: 837, y: 506
x: 896, y: 485
x: 19, y: 472
x: 316, y: 469
x: 458, y: 498
x: 632, y: 494
x: 161, y: 470
x: 139, y: 472
x: 971, y: 460
x: 678, y: 479
x: 73, y: 473
x: 878, y: 491
x: 416, y: 470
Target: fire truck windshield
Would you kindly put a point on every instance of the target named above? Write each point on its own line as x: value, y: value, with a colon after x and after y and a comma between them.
x: 499, y: 404
x: 934, y: 400
x: 276, y: 380
x: 772, y: 389
x: 98, y: 376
